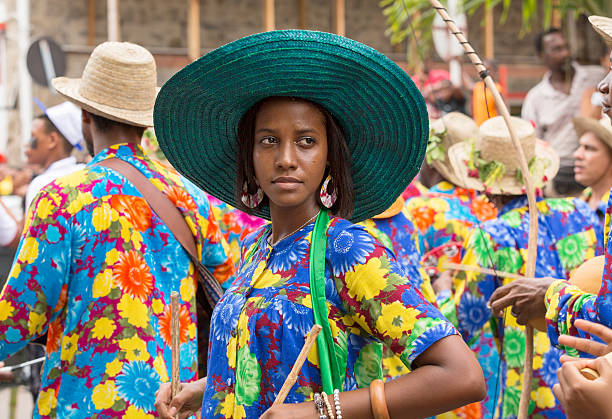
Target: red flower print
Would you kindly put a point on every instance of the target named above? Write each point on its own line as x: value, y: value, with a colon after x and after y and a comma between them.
x: 133, y: 275
x: 483, y: 209
x: 181, y: 198
x: 134, y: 209
x: 54, y: 335
x: 184, y: 322
x: 423, y: 217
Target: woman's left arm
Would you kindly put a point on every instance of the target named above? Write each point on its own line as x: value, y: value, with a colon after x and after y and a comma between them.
x: 447, y: 376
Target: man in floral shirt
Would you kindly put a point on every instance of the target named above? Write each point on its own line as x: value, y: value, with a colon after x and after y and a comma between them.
x: 568, y: 234
x: 95, y: 266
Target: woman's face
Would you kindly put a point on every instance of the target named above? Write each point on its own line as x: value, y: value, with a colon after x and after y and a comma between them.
x: 593, y: 160
x: 290, y: 152
x: 605, y: 88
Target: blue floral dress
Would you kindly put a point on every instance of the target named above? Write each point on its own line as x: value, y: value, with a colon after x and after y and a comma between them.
x: 260, y: 324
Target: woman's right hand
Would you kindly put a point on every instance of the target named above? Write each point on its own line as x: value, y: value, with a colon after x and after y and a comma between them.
x: 186, y: 403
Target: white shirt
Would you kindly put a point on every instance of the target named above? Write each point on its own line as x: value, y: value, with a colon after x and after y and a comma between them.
x: 8, y: 227
x: 552, y: 110
x: 55, y: 170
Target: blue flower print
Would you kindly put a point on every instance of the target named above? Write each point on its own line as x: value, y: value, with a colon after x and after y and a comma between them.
x: 473, y: 314
x: 349, y: 248
x: 550, y: 365
x: 138, y: 383
x: 227, y: 315
x: 286, y: 256
x: 295, y: 316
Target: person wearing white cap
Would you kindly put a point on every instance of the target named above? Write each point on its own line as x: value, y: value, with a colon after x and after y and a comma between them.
x: 54, y: 134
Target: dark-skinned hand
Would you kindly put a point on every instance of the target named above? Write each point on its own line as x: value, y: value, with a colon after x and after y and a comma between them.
x: 525, y: 295
x: 186, y: 403
x: 583, y: 398
x: 587, y: 345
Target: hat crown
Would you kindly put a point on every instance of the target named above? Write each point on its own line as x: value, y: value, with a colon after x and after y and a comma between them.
x: 494, y: 141
x: 122, y: 75
x: 458, y: 126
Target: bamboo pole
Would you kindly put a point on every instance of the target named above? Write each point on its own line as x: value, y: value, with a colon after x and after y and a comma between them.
x: 268, y: 23
x: 91, y: 23
x: 193, y: 30
x: 175, y: 342
x: 311, y: 338
x: 340, y: 17
x: 489, y: 45
x: 302, y: 17
x: 478, y: 269
x: 530, y: 191
x: 113, y: 26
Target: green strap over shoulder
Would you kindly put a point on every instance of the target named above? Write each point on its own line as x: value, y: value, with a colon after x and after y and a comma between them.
x: 331, y: 376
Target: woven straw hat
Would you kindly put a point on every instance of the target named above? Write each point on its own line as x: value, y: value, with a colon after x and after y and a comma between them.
x: 381, y: 112
x: 494, y: 144
x: 602, y: 128
x: 458, y: 127
x: 603, y: 26
x: 119, y: 83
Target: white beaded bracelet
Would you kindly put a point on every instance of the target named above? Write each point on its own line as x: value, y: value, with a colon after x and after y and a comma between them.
x: 337, y: 404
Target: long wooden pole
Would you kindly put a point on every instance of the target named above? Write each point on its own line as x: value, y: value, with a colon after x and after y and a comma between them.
x: 302, y: 16
x: 175, y: 342
x: 114, y: 32
x: 529, y: 187
x: 268, y: 22
x: 193, y: 30
x: 340, y: 18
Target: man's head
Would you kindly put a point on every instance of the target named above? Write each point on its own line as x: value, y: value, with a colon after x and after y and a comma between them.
x: 119, y: 85
x: 552, y: 48
x: 47, y: 143
x: 594, y: 154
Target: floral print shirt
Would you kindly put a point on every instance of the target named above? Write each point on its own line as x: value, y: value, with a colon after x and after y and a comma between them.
x: 94, y: 270
x: 568, y: 233
x: 259, y: 326
x: 565, y: 302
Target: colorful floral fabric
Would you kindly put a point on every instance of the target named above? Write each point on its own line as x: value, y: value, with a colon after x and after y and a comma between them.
x: 94, y: 270
x: 568, y: 234
x: 602, y: 205
x: 259, y: 326
x: 565, y: 303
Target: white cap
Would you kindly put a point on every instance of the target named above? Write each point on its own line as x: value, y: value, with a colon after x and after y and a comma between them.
x: 67, y: 119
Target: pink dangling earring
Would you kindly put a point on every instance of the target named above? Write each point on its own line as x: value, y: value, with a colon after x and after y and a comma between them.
x: 327, y: 199
x: 251, y: 201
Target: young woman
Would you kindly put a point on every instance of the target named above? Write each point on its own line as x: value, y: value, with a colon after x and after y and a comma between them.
x: 308, y: 130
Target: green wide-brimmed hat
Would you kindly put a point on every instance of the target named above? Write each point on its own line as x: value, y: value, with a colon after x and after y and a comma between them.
x: 381, y: 111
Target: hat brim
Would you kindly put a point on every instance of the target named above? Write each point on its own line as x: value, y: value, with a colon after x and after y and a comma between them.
x: 69, y: 88
x: 508, y: 184
x: 583, y: 124
x: 603, y: 26
x: 445, y: 169
x: 382, y: 113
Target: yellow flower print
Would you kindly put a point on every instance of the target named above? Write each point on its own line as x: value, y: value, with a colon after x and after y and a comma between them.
x: 541, y: 343
x: 395, y: 366
x: 29, y: 250
x: 102, y: 217
x: 46, y: 402
x: 133, y: 412
x: 112, y: 256
x: 103, y: 395
x: 229, y: 409
x: 135, y: 349
x: 366, y: 281
x: 187, y: 288
x: 157, y: 306
x: 102, y: 284
x: 543, y: 397
x: 537, y: 362
x: 243, y: 330
x: 513, y: 378
x: 191, y: 330
x: 126, y: 229
x: 103, y: 328
x: 133, y: 310
x: 160, y: 367
x: 396, y: 319
x: 79, y: 202
x: 313, y: 355
x: 268, y: 279
x: 44, y: 208
x: 74, y: 179
x: 6, y: 310
x: 136, y: 239
x: 69, y: 347
x: 113, y: 368
x: 231, y: 352
x: 36, y: 322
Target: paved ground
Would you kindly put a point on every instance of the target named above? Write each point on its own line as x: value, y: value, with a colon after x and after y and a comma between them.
x: 23, y: 405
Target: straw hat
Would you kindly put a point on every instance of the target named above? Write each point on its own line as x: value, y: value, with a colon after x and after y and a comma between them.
x: 381, y: 112
x: 457, y: 127
x: 603, y: 26
x: 490, y: 163
x: 119, y: 83
x: 602, y: 128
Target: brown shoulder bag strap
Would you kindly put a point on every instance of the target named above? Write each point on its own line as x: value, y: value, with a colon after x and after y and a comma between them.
x: 173, y: 219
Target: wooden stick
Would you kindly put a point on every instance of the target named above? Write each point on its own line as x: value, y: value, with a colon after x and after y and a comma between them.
x: 193, y: 30
x: 486, y: 271
x: 311, y: 338
x: 339, y: 17
x: 268, y: 15
x: 529, y: 188
x: 175, y: 335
